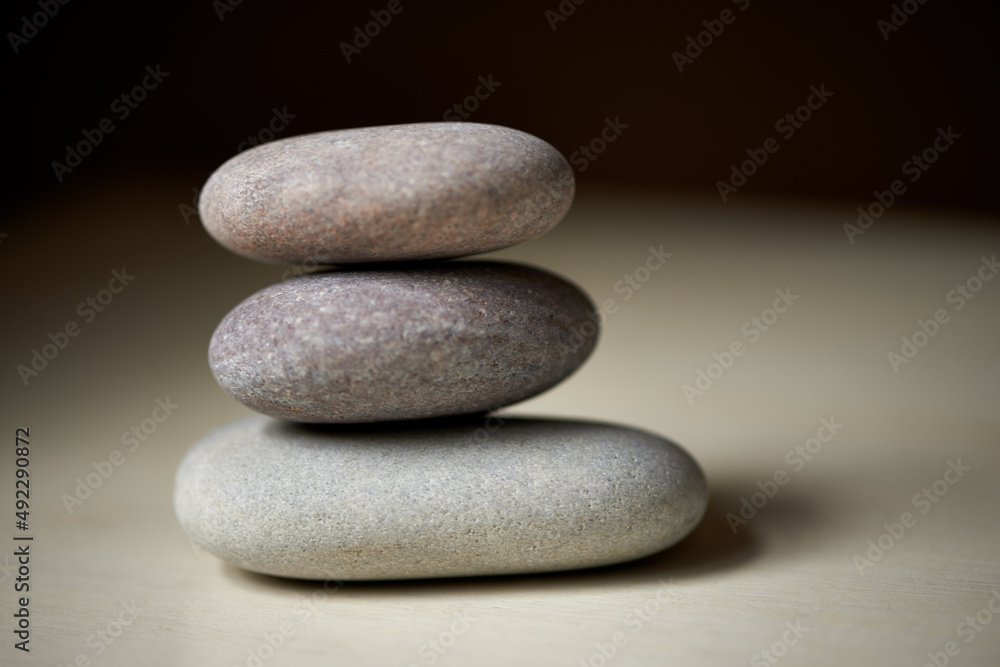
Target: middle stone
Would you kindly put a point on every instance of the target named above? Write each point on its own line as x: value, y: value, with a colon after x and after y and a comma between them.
x: 402, y: 343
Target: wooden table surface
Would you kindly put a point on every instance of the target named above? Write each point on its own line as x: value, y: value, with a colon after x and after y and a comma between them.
x: 867, y: 483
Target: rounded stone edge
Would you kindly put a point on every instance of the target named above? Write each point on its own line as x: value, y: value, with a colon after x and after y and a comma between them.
x: 696, y: 493
x: 218, y: 221
x: 265, y: 406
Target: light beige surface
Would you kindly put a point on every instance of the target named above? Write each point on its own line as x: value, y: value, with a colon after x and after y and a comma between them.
x: 717, y: 598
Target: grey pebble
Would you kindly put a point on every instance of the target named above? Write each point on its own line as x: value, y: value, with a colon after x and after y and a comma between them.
x: 472, y: 497
x: 404, y: 342
x: 392, y: 193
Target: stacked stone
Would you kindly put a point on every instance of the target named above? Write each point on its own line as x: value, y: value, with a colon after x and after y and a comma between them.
x: 375, y: 456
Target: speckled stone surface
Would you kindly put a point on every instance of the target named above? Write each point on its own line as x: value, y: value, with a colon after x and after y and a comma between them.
x: 499, y: 496
x: 402, y: 343
x: 392, y: 193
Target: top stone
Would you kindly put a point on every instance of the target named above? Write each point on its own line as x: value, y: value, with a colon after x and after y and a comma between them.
x: 384, y: 194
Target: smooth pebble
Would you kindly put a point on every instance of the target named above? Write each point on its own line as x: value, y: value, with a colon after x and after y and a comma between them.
x: 403, y: 342
x: 471, y: 497
x: 392, y: 193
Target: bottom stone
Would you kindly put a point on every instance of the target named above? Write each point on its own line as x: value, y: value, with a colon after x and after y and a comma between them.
x: 477, y: 497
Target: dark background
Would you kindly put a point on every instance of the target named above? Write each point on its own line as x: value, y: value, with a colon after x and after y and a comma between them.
x: 606, y: 60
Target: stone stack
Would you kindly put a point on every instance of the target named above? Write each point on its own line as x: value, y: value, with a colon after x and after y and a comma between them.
x: 375, y: 456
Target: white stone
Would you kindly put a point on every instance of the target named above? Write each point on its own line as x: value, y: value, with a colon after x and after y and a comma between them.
x: 480, y: 496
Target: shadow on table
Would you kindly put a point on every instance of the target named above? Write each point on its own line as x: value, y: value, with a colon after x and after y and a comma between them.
x: 710, y: 549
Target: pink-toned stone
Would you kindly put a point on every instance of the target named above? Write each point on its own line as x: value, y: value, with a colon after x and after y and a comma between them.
x: 405, y: 342
x: 393, y: 193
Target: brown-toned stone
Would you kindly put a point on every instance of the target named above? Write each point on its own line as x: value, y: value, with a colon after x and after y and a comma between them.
x: 393, y: 193
x: 403, y: 342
